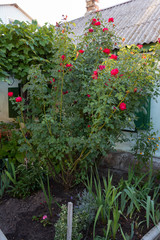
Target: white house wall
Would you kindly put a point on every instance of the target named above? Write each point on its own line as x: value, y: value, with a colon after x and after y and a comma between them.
x: 4, y: 111
x: 12, y: 13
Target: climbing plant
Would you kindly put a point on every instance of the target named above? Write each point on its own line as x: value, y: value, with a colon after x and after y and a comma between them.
x: 23, y: 45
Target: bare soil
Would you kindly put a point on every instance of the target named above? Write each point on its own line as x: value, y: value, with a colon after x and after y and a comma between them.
x: 16, y: 215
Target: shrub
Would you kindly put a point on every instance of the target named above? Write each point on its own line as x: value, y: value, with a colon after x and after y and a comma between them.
x: 76, y: 114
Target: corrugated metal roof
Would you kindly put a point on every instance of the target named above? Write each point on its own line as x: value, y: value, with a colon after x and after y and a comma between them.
x: 138, y: 21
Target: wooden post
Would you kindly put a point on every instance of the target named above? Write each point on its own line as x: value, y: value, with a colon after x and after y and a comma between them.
x: 69, y: 221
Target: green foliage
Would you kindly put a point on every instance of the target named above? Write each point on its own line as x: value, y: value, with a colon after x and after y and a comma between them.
x: 147, y: 143
x: 4, y: 183
x: 85, y: 209
x: 25, y: 179
x: 83, y: 215
x: 136, y: 194
x: 23, y: 45
x: 75, y: 115
x: 47, y: 194
x: 44, y: 221
x: 9, y: 146
x: 61, y: 226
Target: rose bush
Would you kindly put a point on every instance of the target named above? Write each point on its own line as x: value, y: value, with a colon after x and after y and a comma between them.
x: 73, y: 120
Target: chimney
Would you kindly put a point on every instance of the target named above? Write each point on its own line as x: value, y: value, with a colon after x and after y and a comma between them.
x: 91, y: 6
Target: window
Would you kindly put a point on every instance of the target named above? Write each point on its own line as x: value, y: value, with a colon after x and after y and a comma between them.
x: 143, y: 121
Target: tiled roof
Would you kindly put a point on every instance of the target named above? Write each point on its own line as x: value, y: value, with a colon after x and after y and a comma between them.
x: 138, y: 21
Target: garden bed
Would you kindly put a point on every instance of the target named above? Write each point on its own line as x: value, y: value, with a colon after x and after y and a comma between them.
x: 16, y: 215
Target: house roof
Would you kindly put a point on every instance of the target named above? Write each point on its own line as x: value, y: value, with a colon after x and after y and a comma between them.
x: 16, y: 5
x: 138, y: 21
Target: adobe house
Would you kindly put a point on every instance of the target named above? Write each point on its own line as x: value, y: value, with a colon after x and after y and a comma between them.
x: 138, y: 21
x: 9, y: 13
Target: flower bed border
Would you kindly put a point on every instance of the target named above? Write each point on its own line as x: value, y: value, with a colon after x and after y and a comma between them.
x: 153, y: 234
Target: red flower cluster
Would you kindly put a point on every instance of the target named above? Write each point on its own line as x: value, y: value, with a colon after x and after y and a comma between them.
x: 139, y: 46
x: 69, y: 65
x: 65, y: 92
x: 122, y: 106
x: 18, y: 99
x: 113, y: 57
x: 95, y: 74
x: 90, y: 30
x: 63, y: 57
x: 10, y: 94
x: 111, y: 20
x: 52, y: 80
x: 97, y: 23
x: 93, y: 21
x: 81, y: 51
x: 105, y: 29
x: 106, y: 50
x: 101, y: 67
x: 114, y: 71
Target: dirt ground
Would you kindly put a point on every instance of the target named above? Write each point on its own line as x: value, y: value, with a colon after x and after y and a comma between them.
x: 16, y: 214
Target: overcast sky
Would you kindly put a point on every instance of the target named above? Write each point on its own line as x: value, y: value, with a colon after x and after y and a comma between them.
x: 51, y: 10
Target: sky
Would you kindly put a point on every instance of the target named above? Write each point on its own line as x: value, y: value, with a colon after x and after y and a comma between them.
x: 51, y: 11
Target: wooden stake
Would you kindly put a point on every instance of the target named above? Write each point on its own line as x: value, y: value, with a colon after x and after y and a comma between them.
x: 69, y: 221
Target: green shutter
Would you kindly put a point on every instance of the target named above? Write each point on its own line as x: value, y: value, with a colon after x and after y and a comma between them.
x: 12, y: 112
x: 143, y: 121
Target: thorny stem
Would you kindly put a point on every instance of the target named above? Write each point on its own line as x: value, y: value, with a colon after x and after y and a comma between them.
x: 61, y: 96
x: 84, y: 149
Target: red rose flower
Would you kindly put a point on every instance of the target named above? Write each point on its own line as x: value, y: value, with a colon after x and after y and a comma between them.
x: 135, y: 89
x: 106, y: 50
x: 63, y: 57
x: 89, y: 125
x: 18, y: 99
x: 93, y: 21
x: 114, y: 71
x: 106, y: 84
x: 139, y: 46
x: 59, y: 70
x: 90, y: 30
x: 10, y: 94
x: 88, y: 95
x: 95, y: 74
x: 81, y: 51
x: 111, y: 20
x: 69, y: 65
x: 101, y: 67
x: 65, y: 92
x: 97, y: 23
x: 159, y: 40
x: 113, y: 57
x: 122, y: 106
x: 105, y: 29
x: 54, y: 80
